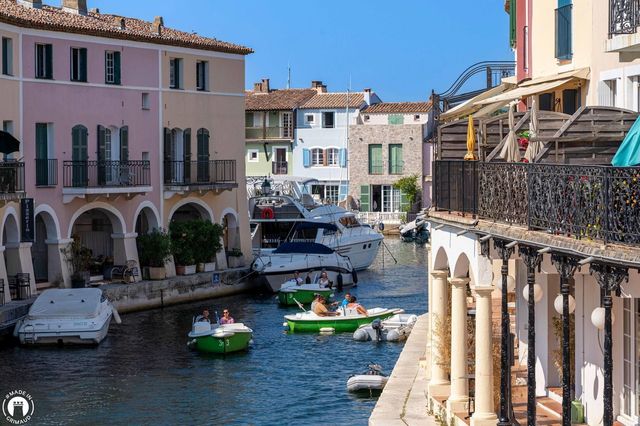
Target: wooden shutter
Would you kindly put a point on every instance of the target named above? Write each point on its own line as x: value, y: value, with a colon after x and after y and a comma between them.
x: 101, y: 156
x: 365, y: 198
x: 512, y: 23
x: 5, y: 56
x: 343, y: 157
x: 325, y: 157
x: 116, y: 67
x: 83, y: 64
x: 48, y: 61
x: 124, y: 143
x: 186, y: 152
x: 306, y: 157
x: 405, y: 206
x: 168, y: 164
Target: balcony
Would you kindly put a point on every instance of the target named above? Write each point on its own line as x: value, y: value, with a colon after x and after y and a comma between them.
x: 594, y: 203
x: 46, y: 172
x: 279, y: 167
x: 105, y: 178
x: 376, y: 168
x: 396, y: 168
x: 269, y: 132
x: 624, y: 20
x: 183, y: 176
x: 11, y: 180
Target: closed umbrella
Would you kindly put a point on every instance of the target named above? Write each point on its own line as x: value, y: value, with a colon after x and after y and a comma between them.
x: 510, y: 151
x: 534, y: 147
x: 8, y: 144
x: 471, y: 141
x: 628, y: 153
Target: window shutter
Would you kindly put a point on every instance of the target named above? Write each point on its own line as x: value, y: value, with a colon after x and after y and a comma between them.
x: 124, y: 143
x: 306, y: 157
x: 187, y: 155
x: 343, y: 191
x: 168, y: 159
x: 364, y: 198
x: 83, y: 64
x: 325, y: 157
x: 48, y: 72
x: 512, y: 23
x: 102, y: 175
x: 404, y: 202
x: 343, y: 157
x: 5, y: 56
x: 116, y: 67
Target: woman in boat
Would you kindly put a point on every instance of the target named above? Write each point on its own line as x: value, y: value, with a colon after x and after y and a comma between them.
x: 353, y: 304
x: 226, y: 318
x: 324, y: 280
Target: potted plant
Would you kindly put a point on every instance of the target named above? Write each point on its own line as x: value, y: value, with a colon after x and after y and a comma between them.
x: 79, y: 258
x: 234, y: 258
x: 182, y: 247
x: 206, y: 236
x: 154, y: 250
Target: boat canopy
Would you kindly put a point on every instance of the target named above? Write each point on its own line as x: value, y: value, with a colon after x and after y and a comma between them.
x: 304, y: 248
x: 71, y: 302
x: 315, y: 225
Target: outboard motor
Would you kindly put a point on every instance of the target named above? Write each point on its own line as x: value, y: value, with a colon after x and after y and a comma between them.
x: 377, y: 327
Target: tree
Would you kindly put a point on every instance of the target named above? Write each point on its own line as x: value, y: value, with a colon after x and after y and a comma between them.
x: 408, y: 185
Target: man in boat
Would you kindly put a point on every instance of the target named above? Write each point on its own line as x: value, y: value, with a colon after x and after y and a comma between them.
x: 344, y: 302
x: 226, y: 318
x: 321, y: 309
x: 353, y: 304
x: 298, y: 279
x: 204, y: 317
x: 307, y: 280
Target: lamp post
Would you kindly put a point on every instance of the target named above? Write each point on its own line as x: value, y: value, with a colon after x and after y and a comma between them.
x: 609, y: 279
x: 266, y: 187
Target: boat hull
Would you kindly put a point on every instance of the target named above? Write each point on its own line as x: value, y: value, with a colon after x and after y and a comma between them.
x: 275, y: 279
x: 286, y: 298
x: 35, y: 334
x: 340, y: 324
x: 239, y: 341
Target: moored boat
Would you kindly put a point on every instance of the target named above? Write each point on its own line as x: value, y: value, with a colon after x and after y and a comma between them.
x: 219, y: 339
x: 393, y: 329
x: 372, y: 380
x: 290, y: 293
x: 347, y: 321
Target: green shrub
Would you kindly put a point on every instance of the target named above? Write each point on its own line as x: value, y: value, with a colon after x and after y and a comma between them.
x: 195, y: 241
x: 154, y: 248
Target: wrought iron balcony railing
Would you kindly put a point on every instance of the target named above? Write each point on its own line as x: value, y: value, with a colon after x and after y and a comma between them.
x: 46, y: 172
x: 203, y: 172
x: 11, y: 178
x: 624, y: 16
x: 376, y: 168
x: 107, y: 174
x: 584, y: 202
x: 269, y: 132
x: 279, y: 167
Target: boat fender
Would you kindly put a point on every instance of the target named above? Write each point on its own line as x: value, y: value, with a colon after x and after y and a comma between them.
x: 116, y: 315
x: 340, y: 281
x: 381, y: 226
x: 354, y: 276
x: 327, y: 330
x: 267, y: 213
x: 285, y: 324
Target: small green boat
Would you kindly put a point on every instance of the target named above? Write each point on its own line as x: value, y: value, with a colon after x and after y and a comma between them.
x: 347, y: 321
x: 302, y: 293
x: 219, y: 339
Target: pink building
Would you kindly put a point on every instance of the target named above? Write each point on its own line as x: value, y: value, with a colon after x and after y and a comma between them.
x: 109, y: 111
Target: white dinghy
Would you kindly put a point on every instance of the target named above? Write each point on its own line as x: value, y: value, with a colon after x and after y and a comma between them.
x: 393, y: 329
x: 67, y: 316
x: 372, y: 380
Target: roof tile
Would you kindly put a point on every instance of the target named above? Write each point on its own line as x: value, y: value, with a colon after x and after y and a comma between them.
x: 277, y: 99
x: 335, y: 100
x: 398, y: 107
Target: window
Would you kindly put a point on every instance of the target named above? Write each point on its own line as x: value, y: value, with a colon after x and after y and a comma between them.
x: 608, y: 92
x: 328, y: 119
x: 326, y: 193
x: 308, y: 118
x: 563, y: 30
x: 546, y: 101
x: 366, y: 118
x: 112, y: 67
x: 631, y: 357
x: 7, y: 56
x: 317, y: 157
x: 570, y: 101
x: 44, y: 61
x: 175, y: 73
x: 396, y: 119
x: 7, y: 126
x: 416, y: 117
x: 375, y: 159
x: 146, y: 103
x: 333, y: 156
x: 202, y: 74
x: 78, y: 64
x: 253, y: 155
x: 395, y: 159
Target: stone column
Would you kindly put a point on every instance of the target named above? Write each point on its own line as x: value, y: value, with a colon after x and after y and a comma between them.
x: 439, y: 383
x: 4, y: 276
x: 57, y: 265
x: 18, y: 257
x: 124, y: 248
x: 484, y: 413
x: 459, y: 399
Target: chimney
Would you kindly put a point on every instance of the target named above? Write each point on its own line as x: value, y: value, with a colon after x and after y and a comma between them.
x: 367, y: 96
x: 265, y: 85
x: 315, y: 84
x: 79, y: 7
x: 158, y: 24
x: 119, y: 22
x: 36, y: 4
x: 94, y: 10
x: 257, y: 87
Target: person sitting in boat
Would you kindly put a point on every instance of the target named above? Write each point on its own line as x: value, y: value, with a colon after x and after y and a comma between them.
x: 226, y: 318
x: 307, y: 280
x: 316, y: 297
x: 321, y: 309
x: 324, y: 280
x: 297, y: 278
x: 353, y: 304
x: 344, y: 302
x: 204, y: 317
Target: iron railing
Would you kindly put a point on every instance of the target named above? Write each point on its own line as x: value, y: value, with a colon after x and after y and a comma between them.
x: 376, y: 168
x: 584, y: 202
x: 11, y: 178
x: 203, y: 172
x: 624, y: 16
x: 98, y: 174
x: 279, y: 167
x: 396, y: 168
x: 46, y: 172
x: 269, y: 132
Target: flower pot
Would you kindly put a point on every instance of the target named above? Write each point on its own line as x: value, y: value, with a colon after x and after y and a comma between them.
x: 200, y: 267
x: 235, y: 262
x: 209, y: 266
x: 157, y: 273
x: 189, y: 269
x: 180, y: 270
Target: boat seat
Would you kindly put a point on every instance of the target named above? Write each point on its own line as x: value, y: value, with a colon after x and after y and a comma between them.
x: 128, y: 273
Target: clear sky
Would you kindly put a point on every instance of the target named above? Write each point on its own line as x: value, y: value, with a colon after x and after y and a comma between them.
x: 400, y: 48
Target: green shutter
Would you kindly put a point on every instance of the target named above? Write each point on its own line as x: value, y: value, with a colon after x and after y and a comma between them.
x: 395, y: 159
x: 116, y: 67
x: 168, y: 159
x: 396, y: 119
x: 102, y: 172
x: 404, y: 202
x: 83, y: 64
x: 5, y: 56
x: 375, y: 159
x: 124, y: 144
x: 42, y: 152
x: 48, y: 58
x: 365, y: 198
x: 186, y: 151
x: 512, y: 23
x: 248, y: 119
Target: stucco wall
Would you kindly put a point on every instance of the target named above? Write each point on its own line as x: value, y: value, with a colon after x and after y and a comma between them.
x: 263, y: 166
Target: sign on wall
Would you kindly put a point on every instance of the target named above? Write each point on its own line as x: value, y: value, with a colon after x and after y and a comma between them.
x: 28, y: 220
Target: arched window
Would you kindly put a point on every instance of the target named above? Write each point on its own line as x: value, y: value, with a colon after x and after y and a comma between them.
x: 317, y: 157
x: 333, y: 157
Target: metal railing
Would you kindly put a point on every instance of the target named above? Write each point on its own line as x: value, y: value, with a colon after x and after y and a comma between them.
x: 46, y: 172
x: 624, y: 16
x: 279, y: 167
x: 203, y: 172
x: 98, y: 174
x: 583, y: 202
x: 376, y: 168
x: 11, y: 177
x: 396, y: 168
x: 269, y: 132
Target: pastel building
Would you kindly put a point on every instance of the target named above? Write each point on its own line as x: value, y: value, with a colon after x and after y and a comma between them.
x: 124, y: 126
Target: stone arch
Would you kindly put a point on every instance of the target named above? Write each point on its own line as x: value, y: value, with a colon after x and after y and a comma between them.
x: 10, y: 232
x: 151, y: 216
x: 462, y: 267
x: 200, y: 206
x: 50, y: 220
x: 230, y: 224
x: 441, y: 259
x: 114, y: 215
x: 48, y: 263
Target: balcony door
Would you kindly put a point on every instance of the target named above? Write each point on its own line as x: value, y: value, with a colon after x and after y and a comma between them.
x: 42, y: 154
x: 203, y: 155
x: 280, y: 159
x: 79, y: 156
x: 286, y: 122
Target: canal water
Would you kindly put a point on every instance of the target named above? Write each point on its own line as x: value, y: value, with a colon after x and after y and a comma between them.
x: 143, y: 373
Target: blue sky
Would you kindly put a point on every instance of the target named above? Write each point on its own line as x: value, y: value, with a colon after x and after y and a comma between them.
x: 401, y: 49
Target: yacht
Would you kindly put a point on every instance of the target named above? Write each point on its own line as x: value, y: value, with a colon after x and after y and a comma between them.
x: 285, y: 211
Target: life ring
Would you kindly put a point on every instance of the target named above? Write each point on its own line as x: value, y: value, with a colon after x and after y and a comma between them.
x: 267, y: 213
x: 381, y: 226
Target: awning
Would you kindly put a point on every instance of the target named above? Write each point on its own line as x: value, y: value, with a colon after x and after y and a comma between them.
x: 469, y: 107
x: 536, y: 85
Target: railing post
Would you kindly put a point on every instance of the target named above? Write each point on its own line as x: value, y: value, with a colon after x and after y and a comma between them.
x: 605, y: 199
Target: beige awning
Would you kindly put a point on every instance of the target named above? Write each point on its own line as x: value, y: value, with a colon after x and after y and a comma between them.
x: 470, y: 106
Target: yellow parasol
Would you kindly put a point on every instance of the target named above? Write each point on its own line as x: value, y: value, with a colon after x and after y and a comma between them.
x: 471, y: 141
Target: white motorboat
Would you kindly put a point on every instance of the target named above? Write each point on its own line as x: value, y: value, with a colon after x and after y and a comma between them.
x: 393, y: 329
x: 287, y: 212
x: 282, y: 263
x: 67, y: 316
x: 372, y: 380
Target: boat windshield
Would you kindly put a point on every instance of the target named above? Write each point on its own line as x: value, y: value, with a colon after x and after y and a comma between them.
x: 349, y: 222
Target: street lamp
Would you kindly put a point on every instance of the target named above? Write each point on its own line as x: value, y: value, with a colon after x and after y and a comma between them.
x: 537, y: 293
x: 266, y: 187
x: 557, y: 304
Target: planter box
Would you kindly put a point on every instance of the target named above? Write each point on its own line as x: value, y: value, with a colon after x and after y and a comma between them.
x: 209, y: 266
x: 156, y: 273
x: 186, y: 270
x: 235, y: 261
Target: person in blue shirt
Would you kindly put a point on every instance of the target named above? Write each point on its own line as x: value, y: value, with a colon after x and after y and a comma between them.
x: 344, y: 302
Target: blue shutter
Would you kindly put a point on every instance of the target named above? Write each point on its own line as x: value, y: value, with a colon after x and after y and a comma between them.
x: 343, y: 157
x: 343, y: 191
x: 306, y: 157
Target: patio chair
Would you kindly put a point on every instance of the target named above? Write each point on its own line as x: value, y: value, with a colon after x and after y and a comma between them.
x: 128, y: 272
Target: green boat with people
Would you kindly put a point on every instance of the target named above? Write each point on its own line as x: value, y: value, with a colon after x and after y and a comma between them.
x: 346, y: 320
x: 290, y: 293
x: 219, y: 339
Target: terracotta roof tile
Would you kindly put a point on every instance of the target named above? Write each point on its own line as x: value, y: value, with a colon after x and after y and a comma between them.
x: 398, y: 107
x: 277, y: 99
x: 335, y: 100
x: 105, y: 25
